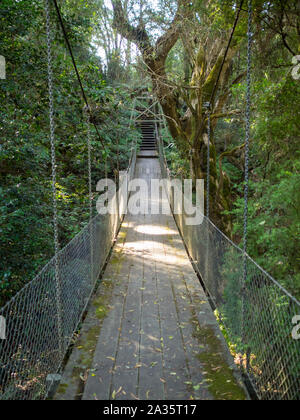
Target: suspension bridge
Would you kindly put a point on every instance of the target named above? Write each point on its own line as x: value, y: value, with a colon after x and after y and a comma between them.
x: 155, y: 302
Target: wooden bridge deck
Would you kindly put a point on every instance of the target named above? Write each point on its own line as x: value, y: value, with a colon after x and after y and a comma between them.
x: 150, y: 333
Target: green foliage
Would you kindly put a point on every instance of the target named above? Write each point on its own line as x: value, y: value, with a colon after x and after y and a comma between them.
x: 274, y: 204
x: 26, y: 240
x: 274, y: 226
x: 178, y: 165
x: 26, y: 229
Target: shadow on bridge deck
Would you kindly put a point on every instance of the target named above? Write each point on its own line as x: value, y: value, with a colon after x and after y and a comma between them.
x: 150, y: 332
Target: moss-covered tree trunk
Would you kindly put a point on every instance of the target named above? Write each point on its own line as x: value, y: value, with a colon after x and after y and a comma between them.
x: 189, y: 131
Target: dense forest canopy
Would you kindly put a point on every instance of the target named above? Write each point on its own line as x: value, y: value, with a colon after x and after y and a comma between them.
x: 173, y: 49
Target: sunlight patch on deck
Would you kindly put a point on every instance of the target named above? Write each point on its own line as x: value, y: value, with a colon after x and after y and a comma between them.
x: 155, y: 230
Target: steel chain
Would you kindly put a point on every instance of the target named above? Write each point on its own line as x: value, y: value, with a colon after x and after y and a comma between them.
x: 208, y: 162
x: 89, y: 147
x: 54, y: 175
x: 247, y: 142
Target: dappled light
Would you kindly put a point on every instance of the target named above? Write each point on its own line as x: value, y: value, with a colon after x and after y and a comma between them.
x: 155, y: 230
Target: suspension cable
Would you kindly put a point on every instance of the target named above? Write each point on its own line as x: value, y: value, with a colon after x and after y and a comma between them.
x: 226, y: 51
x: 53, y: 165
x: 59, y: 15
x: 208, y: 163
x: 89, y: 147
x: 208, y: 106
x: 246, y: 188
x: 248, y: 122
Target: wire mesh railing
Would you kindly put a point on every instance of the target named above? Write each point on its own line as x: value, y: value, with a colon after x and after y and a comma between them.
x: 33, y: 348
x: 257, y: 314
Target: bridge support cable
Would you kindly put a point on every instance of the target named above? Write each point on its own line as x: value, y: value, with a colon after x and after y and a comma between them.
x: 89, y: 147
x: 212, y: 97
x: 208, y: 185
x: 247, y: 147
x: 53, y: 166
x: 226, y: 51
x: 248, y: 124
x: 208, y: 108
x: 208, y: 161
x: 84, y: 96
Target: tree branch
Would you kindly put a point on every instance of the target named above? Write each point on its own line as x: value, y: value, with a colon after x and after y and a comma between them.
x: 225, y: 114
x: 167, y: 41
x: 138, y: 34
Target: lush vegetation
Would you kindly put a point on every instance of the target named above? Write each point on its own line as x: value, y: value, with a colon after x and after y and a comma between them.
x: 175, y: 50
x: 26, y: 241
x: 274, y: 206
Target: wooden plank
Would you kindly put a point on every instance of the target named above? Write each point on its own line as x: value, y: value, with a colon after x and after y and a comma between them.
x: 125, y: 375
x: 176, y: 370
x: 99, y: 383
x: 148, y: 345
x: 151, y: 385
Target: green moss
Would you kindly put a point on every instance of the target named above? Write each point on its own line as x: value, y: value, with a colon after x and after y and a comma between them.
x: 122, y: 236
x: 88, y: 341
x: 101, y: 311
x: 101, y: 302
x: 106, y: 284
x: 62, y: 389
x: 221, y: 381
x: 116, y: 259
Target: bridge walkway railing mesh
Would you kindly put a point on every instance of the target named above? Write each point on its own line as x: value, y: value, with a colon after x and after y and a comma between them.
x: 257, y: 315
x: 33, y: 349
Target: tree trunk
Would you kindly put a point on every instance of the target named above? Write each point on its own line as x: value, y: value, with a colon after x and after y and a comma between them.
x: 190, y: 131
